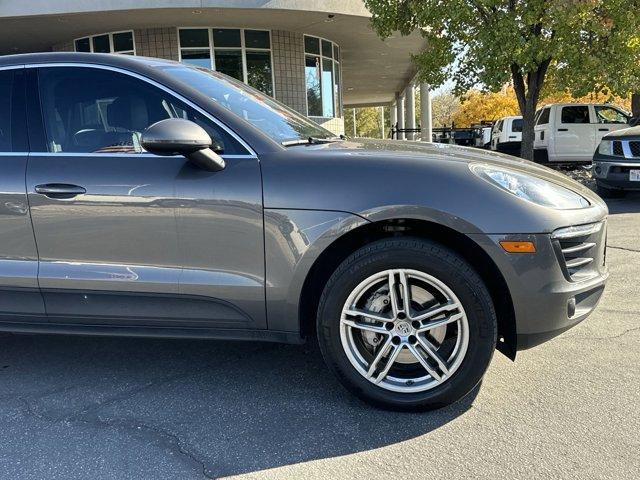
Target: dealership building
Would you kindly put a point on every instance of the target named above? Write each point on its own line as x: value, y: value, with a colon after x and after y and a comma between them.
x: 318, y: 57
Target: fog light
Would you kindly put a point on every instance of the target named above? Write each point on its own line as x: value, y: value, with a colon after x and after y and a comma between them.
x: 598, y: 170
x: 571, y: 307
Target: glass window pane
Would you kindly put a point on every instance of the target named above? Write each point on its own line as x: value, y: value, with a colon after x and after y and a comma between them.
x: 198, y: 57
x: 82, y: 45
x: 6, y: 87
x: 336, y: 52
x: 194, y: 37
x: 259, y: 71
x: 225, y: 37
x: 229, y: 62
x: 327, y: 88
x: 312, y: 78
x: 101, y: 44
x: 90, y: 110
x: 544, y: 117
x: 312, y: 45
x: 337, y: 90
x: 327, y: 49
x: 256, y: 39
x: 516, y: 126
x: 123, y: 42
x: 610, y: 115
x: 575, y: 114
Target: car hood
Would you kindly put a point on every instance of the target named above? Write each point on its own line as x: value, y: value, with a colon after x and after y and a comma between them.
x: 625, y: 134
x: 421, y: 152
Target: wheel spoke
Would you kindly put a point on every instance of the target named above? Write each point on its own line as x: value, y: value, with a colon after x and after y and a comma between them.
x: 432, y: 351
x: 406, y: 294
x: 393, y: 295
x: 370, y: 315
x: 438, y: 323
x: 425, y: 363
x: 395, y: 351
x: 437, y: 310
x: 384, y: 349
x: 365, y: 326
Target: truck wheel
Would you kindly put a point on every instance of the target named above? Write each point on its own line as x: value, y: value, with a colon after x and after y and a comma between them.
x: 407, y: 324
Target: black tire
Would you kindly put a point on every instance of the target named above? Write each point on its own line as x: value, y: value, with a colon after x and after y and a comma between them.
x: 438, y: 261
x: 606, y: 192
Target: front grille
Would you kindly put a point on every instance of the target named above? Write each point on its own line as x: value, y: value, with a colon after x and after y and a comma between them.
x: 634, y: 147
x: 580, y: 250
x: 617, y: 148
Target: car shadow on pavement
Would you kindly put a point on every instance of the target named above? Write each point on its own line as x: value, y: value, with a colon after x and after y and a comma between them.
x: 225, y: 407
x: 630, y: 203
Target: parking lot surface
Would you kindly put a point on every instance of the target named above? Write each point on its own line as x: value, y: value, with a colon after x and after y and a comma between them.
x: 126, y: 408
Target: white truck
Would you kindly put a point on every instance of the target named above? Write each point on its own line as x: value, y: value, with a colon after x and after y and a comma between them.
x: 506, y: 136
x: 571, y: 132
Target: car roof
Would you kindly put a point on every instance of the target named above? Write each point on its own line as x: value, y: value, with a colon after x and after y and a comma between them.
x: 116, y: 60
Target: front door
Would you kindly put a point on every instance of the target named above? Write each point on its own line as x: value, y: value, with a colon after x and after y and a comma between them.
x: 129, y: 238
x: 609, y: 119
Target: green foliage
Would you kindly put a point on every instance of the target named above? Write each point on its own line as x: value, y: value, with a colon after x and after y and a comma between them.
x: 367, y: 122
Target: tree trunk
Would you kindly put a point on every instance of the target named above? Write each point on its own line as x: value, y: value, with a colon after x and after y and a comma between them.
x: 528, y: 94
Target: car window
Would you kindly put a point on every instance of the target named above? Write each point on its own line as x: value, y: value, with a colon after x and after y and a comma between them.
x: 13, y: 131
x: 516, y: 125
x: 610, y: 115
x: 543, y: 119
x: 6, y: 88
x: 498, y: 127
x: 575, y: 114
x: 90, y: 110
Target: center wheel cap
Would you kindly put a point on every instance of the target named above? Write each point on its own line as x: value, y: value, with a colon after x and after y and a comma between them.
x: 403, y: 329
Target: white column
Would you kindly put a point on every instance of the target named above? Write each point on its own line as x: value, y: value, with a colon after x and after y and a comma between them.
x: 400, y: 114
x: 382, y: 122
x: 425, y: 113
x: 410, y: 112
x: 393, y: 109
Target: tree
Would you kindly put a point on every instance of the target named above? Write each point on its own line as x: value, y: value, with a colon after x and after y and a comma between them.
x: 367, y: 122
x: 445, y: 106
x: 492, y: 42
x: 478, y: 106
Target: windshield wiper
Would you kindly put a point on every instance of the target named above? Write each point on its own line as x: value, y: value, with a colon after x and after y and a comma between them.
x: 311, y: 141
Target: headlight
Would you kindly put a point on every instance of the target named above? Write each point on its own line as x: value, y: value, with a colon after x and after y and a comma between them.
x: 606, y: 147
x: 530, y: 188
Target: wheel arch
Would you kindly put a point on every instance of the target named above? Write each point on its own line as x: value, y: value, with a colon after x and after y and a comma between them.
x: 345, y: 245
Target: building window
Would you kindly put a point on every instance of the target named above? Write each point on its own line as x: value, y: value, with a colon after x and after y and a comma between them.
x: 239, y: 53
x: 116, y: 42
x: 322, y: 77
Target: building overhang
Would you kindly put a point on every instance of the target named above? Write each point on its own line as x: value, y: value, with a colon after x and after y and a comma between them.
x: 373, y: 70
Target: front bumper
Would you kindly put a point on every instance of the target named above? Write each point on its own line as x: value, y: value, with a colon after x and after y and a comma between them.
x: 613, y: 172
x: 548, y: 297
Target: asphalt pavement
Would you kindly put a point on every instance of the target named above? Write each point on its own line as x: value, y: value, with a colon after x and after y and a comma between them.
x: 129, y: 408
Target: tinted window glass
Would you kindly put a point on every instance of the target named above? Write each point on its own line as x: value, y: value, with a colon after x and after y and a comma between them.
x: 101, y: 44
x: 575, y: 114
x: 259, y: 71
x: 229, y: 62
x: 312, y: 45
x: 271, y: 117
x: 89, y: 110
x: 327, y: 49
x: 123, y: 42
x: 610, y: 115
x: 193, y: 37
x: 256, y: 39
x: 327, y: 88
x: 198, y: 57
x: 6, y: 89
x: 224, y: 37
x: 82, y: 45
x: 516, y: 126
x: 312, y: 79
x: 544, y: 117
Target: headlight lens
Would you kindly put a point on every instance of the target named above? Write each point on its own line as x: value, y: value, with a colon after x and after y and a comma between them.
x: 606, y: 147
x: 530, y: 188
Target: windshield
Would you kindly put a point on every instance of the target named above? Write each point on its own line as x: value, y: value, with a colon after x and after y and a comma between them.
x: 278, y: 121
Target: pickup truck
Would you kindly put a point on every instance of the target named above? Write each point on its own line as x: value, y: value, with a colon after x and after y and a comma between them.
x: 571, y: 132
x: 506, y: 136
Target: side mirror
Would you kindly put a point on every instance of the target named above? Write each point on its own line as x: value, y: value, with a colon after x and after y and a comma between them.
x: 176, y: 136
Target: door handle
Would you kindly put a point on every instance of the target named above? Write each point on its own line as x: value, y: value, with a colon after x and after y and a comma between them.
x: 563, y: 129
x: 603, y: 129
x: 60, y: 190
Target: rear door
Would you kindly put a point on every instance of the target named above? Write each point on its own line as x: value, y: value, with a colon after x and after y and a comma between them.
x: 127, y: 237
x: 541, y: 129
x: 20, y: 299
x: 575, y: 135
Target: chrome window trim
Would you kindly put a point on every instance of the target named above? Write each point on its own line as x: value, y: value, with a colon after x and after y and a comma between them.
x: 102, y: 155
x: 250, y: 151
x: 13, y: 154
x: 11, y: 67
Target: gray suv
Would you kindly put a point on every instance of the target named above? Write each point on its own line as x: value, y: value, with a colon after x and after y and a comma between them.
x: 143, y: 197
